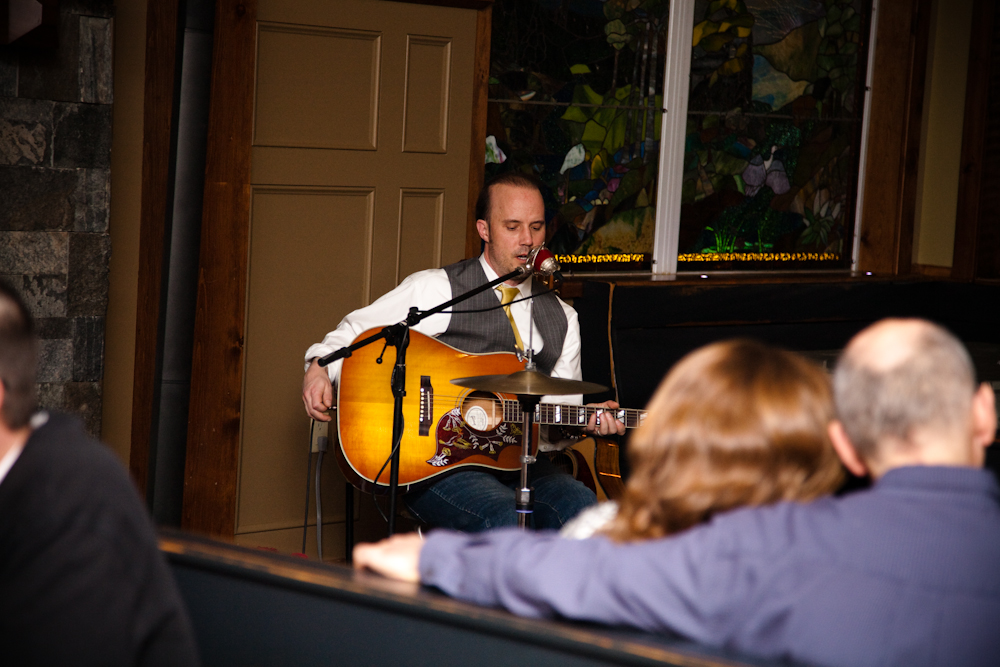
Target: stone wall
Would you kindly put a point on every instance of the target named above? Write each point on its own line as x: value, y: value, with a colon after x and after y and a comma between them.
x: 55, y: 155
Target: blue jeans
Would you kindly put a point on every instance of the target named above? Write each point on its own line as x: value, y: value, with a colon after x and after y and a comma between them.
x: 475, y: 500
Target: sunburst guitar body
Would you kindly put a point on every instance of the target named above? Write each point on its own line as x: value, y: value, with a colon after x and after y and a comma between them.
x: 446, y: 428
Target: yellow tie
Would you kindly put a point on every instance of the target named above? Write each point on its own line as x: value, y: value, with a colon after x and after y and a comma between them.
x: 508, y: 295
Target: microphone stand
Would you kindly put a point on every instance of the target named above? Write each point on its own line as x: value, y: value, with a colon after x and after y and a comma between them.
x: 398, y: 335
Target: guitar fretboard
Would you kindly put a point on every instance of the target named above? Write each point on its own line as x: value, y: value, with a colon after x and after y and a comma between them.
x: 571, y: 415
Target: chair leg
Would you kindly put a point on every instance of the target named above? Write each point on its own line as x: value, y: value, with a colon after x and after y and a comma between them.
x: 349, y: 523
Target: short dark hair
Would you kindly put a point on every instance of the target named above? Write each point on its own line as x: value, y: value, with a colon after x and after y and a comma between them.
x: 517, y: 179
x: 18, y: 359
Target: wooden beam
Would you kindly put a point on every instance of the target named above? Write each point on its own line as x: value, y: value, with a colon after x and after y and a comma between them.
x: 212, y: 462
x: 477, y: 152
x: 988, y: 239
x: 894, y: 137
x: 161, y: 73
x: 969, y: 217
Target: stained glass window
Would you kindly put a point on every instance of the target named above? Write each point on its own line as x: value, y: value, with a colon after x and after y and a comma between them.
x: 771, y: 145
x: 576, y: 98
x: 773, y: 134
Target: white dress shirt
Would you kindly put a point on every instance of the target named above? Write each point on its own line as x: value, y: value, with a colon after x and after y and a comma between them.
x: 429, y: 288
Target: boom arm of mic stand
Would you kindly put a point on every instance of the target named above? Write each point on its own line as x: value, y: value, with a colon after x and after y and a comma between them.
x: 413, y: 318
x: 348, y: 350
x: 416, y: 316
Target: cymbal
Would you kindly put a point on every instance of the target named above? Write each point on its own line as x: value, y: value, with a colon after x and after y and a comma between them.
x: 530, y: 383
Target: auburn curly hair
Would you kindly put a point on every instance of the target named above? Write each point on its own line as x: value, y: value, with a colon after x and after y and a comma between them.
x: 732, y: 424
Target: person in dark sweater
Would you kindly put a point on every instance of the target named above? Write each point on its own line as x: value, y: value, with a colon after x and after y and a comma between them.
x: 82, y: 581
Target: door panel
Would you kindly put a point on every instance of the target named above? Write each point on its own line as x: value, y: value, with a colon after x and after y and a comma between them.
x: 420, y: 214
x: 425, y: 110
x: 317, y: 88
x: 288, y: 308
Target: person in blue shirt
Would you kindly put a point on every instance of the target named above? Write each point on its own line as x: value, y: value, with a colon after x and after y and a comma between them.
x: 904, y: 572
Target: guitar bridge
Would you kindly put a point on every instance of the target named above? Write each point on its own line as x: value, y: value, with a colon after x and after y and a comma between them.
x: 426, y: 404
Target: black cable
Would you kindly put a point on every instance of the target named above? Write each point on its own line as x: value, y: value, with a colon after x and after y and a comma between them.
x: 498, y: 306
x: 305, y: 521
x: 319, y: 500
x: 380, y: 471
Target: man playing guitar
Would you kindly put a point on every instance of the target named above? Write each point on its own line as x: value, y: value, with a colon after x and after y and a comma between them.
x: 511, y: 222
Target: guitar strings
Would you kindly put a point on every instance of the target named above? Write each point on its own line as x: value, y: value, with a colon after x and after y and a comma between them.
x: 588, y: 408
x: 502, y: 404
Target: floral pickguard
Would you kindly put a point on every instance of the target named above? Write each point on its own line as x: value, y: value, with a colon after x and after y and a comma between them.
x: 456, y: 441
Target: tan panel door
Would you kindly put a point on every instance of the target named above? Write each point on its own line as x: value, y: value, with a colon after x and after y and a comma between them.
x: 360, y: 170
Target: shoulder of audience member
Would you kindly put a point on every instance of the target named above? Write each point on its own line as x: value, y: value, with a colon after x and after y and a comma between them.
x: 769, y: 531
x: 64, y: 437
x: 63, y: 461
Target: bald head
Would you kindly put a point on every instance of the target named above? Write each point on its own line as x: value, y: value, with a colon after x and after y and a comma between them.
x: 889, y: 344
x: 901, y: 380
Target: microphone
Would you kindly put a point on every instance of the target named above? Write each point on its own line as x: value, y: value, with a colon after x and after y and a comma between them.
x: 541, y: 262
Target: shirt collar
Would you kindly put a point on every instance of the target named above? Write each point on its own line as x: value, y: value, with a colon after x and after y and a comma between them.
x: 491, y: 275
x: 946, y: 479
x: 9, y: 459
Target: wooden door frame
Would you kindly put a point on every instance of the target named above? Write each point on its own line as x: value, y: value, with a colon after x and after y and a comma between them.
x: 163, y: 36
x: 893, y: 151
x: 976, y: 229
x: 212, y: 457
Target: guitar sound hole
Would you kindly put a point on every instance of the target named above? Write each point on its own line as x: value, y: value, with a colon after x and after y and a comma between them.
x: 482, y: 411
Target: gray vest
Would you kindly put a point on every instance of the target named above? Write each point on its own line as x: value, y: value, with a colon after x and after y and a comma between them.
x: 490, y: 331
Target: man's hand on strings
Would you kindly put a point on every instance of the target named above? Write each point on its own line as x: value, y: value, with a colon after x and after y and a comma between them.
x: 603, y: 423
x: 317, y: 392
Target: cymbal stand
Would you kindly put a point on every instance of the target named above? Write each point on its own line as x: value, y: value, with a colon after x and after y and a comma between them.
x: 524, y: 496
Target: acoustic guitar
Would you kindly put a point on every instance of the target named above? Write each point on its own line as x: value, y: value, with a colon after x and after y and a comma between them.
x: 446, y: 428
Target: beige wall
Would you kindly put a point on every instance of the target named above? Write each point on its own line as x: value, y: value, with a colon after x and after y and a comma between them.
x: 126, y: 185
x: 941, y: 136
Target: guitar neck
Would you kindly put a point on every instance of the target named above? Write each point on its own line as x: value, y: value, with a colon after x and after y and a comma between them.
x: 571, y: 415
